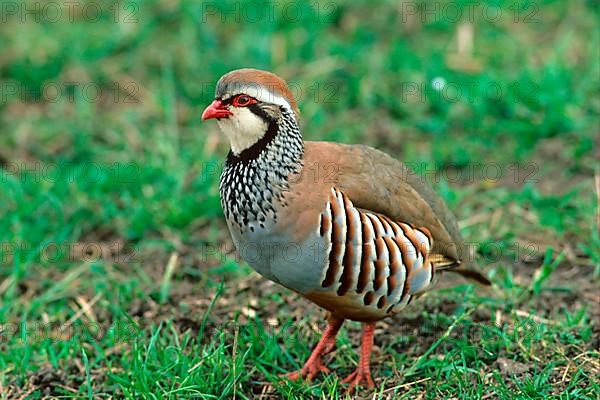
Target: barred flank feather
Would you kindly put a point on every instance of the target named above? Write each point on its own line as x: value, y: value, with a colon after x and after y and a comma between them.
x: 382, y: 262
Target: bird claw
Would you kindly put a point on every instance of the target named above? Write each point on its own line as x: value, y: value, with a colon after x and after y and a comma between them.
x: 354, y: 380
x: 308, y: 371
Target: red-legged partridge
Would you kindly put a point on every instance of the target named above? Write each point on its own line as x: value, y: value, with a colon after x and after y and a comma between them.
x: 347, y: 227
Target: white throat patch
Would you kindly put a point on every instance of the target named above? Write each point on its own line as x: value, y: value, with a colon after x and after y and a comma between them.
x: 243, y: 128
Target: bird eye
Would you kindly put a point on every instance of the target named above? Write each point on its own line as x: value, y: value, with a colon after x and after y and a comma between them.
x: 242, y: 100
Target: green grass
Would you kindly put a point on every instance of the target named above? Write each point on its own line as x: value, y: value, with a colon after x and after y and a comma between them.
x: 117, y: 274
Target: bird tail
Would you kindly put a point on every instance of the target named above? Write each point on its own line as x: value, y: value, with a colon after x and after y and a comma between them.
x: 443, y: 263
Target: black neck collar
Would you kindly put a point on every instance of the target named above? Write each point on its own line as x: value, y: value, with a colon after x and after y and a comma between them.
x: 273, y: 129
x: 252, y: 152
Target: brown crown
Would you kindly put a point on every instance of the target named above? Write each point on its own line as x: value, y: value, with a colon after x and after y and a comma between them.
x: 250, y: 76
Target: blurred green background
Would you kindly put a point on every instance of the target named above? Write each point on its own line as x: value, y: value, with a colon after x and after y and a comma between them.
x: 117, y: 276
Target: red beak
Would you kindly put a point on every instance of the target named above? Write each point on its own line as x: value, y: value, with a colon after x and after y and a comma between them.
x: 216, y: 109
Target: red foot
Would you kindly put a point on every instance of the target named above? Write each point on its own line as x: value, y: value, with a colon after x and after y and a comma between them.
x: 357, y: 377
x: 308, y: 371
x: 314, y: 364
x: 363, y: 373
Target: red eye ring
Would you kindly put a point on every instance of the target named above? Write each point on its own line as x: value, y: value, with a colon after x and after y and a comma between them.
x: 243, y: 100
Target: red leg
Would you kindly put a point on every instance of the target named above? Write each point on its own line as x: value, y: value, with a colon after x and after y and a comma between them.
x: 314, y: 364
x: 362, y: 372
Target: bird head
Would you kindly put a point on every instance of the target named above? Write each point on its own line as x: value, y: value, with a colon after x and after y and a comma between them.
x: 247, y: 101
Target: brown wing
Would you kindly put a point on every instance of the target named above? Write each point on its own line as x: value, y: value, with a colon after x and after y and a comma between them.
x: 377, y: 182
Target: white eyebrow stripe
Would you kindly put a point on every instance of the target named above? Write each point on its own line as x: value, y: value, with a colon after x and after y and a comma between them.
x: 263, y: 94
